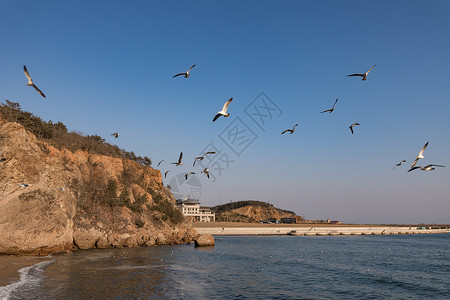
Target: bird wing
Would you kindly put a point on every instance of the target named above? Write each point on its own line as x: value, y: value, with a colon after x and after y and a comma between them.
x: 210, y: 152
x: 285, y: 131
x: 414, y: 163
x: 179, y: 74
x: 431, y: 165
x: 371, y: 68
x: 191, y: 68
x: 198, y: 157
x: 335, y: 103
x: 423, y: 149
x: 357, y: 74
x: 38, y: 90
x: 295, y: 126
x: 165, y: 174
x: 351, y: 128
x: 326, y: 110
x: 216, y: 117
x: 160, y: 162
x: 225, y: 106
x: 414, y: 168
x: 181, y: 156
x: 27, y: 75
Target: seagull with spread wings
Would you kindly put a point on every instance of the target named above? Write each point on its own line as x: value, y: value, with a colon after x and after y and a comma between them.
x: 202, y: 157
x: 187, y: 174
x: 205, y: 171
x: 426, y: 168
x: 331, y: 109
x: 291, y: 131
x: 160, y: 162
x: 223, y: 112
x: 353, y: 125
x: 179, y: 163
x: 420, y: 155
x: 115, y: 134
x: 185, y: 74
x: 30, y: 81
x: 363, y: 75
x: 399, y: 164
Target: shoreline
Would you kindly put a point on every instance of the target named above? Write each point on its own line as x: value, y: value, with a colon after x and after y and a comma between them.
x: 223, y: 228
x: 10, y: 266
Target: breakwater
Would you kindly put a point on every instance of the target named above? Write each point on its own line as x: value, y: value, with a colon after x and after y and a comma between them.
x: 320, y: 230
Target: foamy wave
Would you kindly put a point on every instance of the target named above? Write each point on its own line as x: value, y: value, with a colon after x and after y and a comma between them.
x: 25, y: 278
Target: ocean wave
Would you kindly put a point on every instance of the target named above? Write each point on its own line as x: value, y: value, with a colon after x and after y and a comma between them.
x: 28, y: 276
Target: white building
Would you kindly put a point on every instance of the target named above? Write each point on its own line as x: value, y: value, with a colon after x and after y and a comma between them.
x: 192, y: 208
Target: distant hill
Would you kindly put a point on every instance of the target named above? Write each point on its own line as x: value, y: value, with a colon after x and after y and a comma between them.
x: 251, y: 211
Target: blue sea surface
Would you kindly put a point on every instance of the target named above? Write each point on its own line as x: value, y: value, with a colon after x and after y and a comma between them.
x: 254, y: 267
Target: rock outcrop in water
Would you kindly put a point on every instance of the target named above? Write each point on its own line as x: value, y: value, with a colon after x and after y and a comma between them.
x: 79, y: 200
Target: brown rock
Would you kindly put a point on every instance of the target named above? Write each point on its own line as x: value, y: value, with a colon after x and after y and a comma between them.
x: 84, y: 240
x: 204, y: 240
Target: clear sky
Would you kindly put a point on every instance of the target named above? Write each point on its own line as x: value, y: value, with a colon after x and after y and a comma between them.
x: 107, y: 66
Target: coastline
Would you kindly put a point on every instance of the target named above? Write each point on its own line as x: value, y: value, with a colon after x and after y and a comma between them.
x: 10, y: 266
x: 224, y: 228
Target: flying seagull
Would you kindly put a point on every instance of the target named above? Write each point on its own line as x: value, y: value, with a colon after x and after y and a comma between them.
x: 165, y: 174
x: 3, y: 159
x: 24, y: 185
x: 353, y: 125
x: 202, y: 157
x: 291, y: 131
x: 206, y: 171
x: 30, y: 81
x: 179, y: 163
x: 187, y: 174
x: 115, y: 134
x: 420, y: 155
x: 363, y: 75
x: 160, y: 162
x: 223, y: 112
x: 331, y: 109
x: 426, y: 168
x: 186, y: 74
x: 399, y: 164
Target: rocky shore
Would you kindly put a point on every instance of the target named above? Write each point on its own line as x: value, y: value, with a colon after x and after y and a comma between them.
x: 56, y: 200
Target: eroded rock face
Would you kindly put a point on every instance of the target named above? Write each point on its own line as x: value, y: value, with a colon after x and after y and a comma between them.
x: 67, y: 203
x: 204, y: 240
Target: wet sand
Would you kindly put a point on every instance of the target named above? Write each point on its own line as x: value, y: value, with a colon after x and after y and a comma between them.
x: 11, y: 264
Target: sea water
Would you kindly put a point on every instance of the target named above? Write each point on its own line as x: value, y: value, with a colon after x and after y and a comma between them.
x: 250, y: 267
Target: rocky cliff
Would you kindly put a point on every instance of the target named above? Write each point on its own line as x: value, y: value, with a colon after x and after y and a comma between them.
x: 54, y: 200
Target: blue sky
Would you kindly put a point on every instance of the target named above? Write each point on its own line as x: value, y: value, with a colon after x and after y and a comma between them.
x: 107, y: 66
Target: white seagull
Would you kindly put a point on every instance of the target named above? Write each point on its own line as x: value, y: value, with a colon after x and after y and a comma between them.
x: 160, y: 162
x: 331, y: 109
x: 179, y: 163
x: 187, y: 174
x: 420, y: 155
x: 30, y: 81
x: 186, y: 74
x: 291, y: 131
x: 353, y: 125
x: 426, y: 168
x: 202, y: 157
x: 363, y: 75
x: 24, y: 185
x: 205, y: 171
x: 115, y: 134
x: 399, y: 164
x: 223, y: 112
